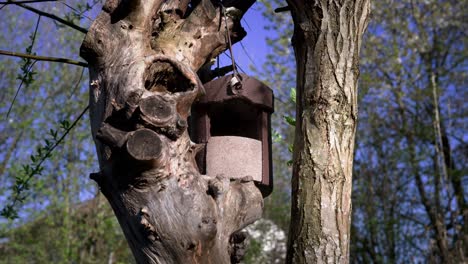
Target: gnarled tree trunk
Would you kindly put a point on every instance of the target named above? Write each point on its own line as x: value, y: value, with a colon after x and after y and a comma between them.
x: 143, y: 57
x: 327, y: 37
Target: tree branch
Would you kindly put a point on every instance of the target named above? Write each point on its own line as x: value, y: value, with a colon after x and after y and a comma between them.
x: 206, y: 74
x: 43, y: 58
x: 26, y: 2
x: 51, y: 16
x: 22, y: 184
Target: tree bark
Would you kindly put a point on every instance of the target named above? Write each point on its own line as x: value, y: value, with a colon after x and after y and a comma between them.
x: 327, y: 38
x: 143, y: 57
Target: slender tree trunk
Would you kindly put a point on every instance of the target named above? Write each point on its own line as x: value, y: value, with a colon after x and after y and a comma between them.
x: 143, y: 57
x: 327, y: 38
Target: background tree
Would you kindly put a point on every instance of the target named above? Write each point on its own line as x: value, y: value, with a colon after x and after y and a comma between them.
x: 411, y: 143
x: 326, y: 41
x: 393, y: 226
x: 47, y: 94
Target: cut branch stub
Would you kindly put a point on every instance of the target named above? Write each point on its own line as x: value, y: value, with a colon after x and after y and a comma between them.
x: 156, y: 110
x: 111, y: 136
x: 144, y: 145
x: 172, y: 79
x: 131, y: 103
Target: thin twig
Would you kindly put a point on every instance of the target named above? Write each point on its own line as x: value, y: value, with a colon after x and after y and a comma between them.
x: 77, y: 83
x: 51, y: 16
x: 28, y: 70
x: 50, y: 150
x: 237, y: 65
x: 43, y: 58
x: 282, y: 9
x: 26, y: 2
x: 18, y: 90
x: 248, y: 55
x: 77, y: 12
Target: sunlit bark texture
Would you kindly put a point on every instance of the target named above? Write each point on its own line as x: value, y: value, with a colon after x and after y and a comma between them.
x: 143, y: 57
x: 327, y: 37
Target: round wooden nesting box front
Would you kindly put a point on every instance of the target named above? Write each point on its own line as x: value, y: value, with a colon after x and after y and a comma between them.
x: 234, y: 124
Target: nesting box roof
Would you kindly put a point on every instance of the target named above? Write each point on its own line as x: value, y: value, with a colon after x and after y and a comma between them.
x: 253, y: 91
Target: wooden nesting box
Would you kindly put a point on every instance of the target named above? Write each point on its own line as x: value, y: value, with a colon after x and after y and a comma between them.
x: 234, y: 123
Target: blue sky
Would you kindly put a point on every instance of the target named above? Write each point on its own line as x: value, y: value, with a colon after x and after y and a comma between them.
x: 254, y: 48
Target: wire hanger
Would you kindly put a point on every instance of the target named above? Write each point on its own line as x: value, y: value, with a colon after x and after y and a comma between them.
x: 236, y: 81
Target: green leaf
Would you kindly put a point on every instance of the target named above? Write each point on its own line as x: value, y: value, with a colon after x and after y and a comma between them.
x: 292, y: 95
x: 65, y: 124
x: 276, y: 136
x: 9, y: 212
x: 291, y: 121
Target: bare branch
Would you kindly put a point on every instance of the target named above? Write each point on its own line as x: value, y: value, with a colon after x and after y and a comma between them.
x: 51, y: 16
x: 206, y: 74
x: 27, y: 2
x: 17, y: 198
x: 43, y: 58
x: 282, y: 9
x: 28, y: 64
